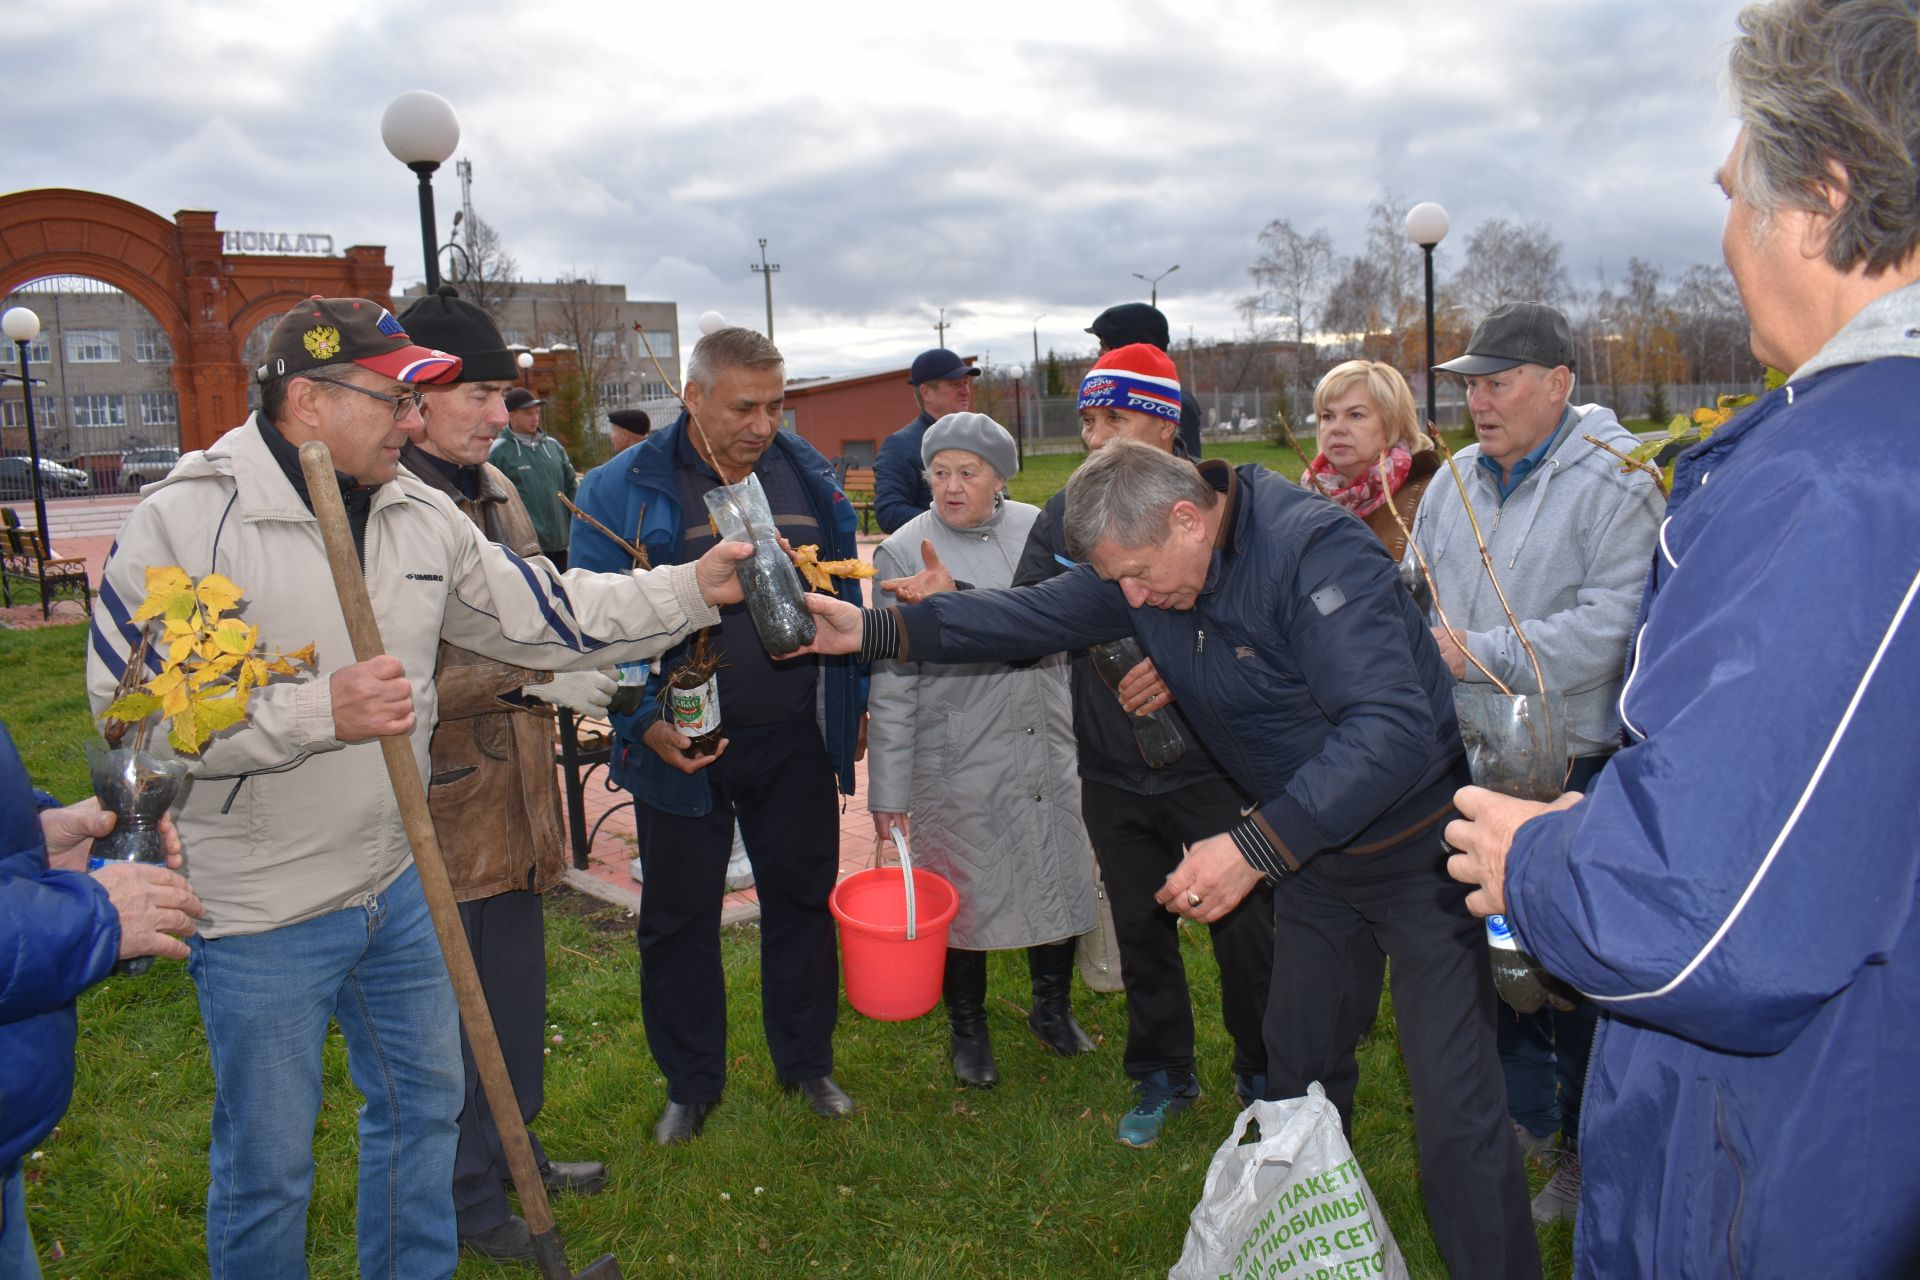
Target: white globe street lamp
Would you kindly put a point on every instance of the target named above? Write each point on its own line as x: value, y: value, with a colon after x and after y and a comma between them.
x: 421, y: 131
x: 711, y: 322
x: 1427, y: 225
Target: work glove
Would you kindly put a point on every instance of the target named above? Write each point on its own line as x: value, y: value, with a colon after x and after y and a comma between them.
x: 584, y: 693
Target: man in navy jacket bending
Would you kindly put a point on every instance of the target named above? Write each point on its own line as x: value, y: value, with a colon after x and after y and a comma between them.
x: 1279, y: 624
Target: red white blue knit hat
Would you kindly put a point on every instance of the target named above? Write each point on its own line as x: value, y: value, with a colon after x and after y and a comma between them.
x: 1140, y: 378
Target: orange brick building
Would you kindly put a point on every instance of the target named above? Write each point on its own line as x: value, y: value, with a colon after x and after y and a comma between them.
x: 852, y: 415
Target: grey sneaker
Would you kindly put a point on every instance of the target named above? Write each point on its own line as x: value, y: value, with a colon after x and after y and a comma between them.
x: 1559, y: 1200
x: 1532, y: 1145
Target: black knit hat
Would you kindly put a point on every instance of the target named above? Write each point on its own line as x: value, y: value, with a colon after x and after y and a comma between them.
x: 445, y: 320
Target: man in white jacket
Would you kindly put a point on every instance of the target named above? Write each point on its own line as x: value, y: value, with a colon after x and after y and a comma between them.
x: 1570, y: 531
x: 291, y: 832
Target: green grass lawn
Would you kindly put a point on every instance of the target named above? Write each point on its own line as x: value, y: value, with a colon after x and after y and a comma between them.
x: 928, y: 1180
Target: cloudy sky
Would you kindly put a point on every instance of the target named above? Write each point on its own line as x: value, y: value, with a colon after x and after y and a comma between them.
x: 1008, y: 161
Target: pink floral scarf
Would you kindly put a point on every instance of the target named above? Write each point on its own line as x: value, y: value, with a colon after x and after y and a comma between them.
x: 1363, y: 496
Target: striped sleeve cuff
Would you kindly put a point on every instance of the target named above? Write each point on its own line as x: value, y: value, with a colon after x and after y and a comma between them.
x: 1260, y: 851
x: 881, y: 635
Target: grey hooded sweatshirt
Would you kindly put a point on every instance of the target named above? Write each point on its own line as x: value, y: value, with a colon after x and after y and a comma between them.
x: 1571, y: 547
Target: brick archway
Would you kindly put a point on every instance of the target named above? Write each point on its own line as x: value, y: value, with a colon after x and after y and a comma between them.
x: 205, y: 299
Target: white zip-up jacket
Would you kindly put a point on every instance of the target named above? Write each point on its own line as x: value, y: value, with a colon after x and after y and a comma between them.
x: 282, y: 822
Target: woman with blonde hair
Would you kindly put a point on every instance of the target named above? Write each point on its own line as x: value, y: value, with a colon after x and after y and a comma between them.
x: 1366, y: 417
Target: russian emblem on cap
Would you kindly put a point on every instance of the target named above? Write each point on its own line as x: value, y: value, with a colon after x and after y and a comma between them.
x: 322, y: 342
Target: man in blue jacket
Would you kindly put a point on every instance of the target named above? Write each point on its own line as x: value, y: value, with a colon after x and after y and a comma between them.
x: 790, y: 729
x: 1737, y: 891
x: 60, y: 932
x: 1279, y: 624
x: 942, y: 384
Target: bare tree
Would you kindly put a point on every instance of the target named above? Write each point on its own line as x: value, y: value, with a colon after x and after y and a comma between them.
x: 1293, y: 273
x: 1509, y: 262
x: 583, y: 317
x: 486, y: 274
x: 1378, y: 300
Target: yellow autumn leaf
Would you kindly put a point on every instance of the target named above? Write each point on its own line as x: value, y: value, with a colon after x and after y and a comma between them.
x: 131, y: 708
x: 165, y: 585
x: 252, y: 671
x: 185, y: 733
x: 235, y: 637
x: 303, y: 656
x: 178, y: 648
x: 214, y: 714
x: 217, y: 594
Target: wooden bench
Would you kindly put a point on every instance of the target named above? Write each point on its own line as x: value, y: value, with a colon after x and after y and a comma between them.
x: 23, y: 560
x: 858, y: 487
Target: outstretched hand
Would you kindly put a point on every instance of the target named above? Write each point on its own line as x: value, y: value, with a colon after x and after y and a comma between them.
x: 930, y: 581
x: 838, y: 628
x: 717, y: 574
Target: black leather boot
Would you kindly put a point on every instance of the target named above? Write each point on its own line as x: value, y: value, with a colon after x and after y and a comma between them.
x: 1052, y: 1016
x: 965, y: 990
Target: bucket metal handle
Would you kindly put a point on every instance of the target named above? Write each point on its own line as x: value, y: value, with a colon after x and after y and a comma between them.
x: 906, y: 877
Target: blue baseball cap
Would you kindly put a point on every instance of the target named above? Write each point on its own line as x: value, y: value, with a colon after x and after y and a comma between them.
x: 939, y: 365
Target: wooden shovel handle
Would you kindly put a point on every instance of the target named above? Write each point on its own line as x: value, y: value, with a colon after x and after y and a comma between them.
x: 411, y: 795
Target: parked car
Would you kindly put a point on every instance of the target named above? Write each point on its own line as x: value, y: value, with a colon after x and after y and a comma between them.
x: 144, y: 466
x: 56, y: 481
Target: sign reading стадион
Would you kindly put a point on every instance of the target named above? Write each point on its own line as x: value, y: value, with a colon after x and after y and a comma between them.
x: 314, y: 242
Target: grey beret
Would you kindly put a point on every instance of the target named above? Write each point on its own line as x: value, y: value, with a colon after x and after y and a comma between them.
x: 976, y: 433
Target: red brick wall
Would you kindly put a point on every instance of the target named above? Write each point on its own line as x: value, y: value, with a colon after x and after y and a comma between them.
x: 864, y: 410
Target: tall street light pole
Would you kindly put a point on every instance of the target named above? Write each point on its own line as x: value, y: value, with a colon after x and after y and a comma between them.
x: 1153, y: 283
x: 940, y: 326
x: 421, y: 131
x: 1019, y: 418
x: 22, y: 326
x: 1427, y: 225
x: 766, y: 269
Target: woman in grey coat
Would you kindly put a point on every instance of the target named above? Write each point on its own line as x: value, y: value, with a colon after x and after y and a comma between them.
x: 975, y: 762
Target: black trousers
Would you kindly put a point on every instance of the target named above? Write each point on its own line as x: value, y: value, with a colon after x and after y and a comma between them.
x: 777, y: 781
x: 1336, y: 924
x: 508, y: 935
x: 1139, y: 840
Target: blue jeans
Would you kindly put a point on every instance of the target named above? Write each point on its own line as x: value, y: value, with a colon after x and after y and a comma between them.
x: 265, y: 999
x: 17, y: 1259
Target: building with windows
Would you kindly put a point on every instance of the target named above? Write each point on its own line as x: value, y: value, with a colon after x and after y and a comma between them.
x: 103, y: 374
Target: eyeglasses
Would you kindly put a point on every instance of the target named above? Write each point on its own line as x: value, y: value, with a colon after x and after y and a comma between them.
x: 404, y: 403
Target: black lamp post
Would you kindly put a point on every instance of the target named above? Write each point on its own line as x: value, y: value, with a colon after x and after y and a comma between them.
x: 1427, y: 226
x: 421, y: 131
x: 22, y: 326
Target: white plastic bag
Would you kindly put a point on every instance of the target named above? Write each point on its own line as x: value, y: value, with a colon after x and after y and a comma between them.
x: 1292, y: 1205
x: 1098, y: 951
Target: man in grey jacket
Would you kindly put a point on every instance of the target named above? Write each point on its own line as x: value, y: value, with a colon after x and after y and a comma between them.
x: 1570, y: 532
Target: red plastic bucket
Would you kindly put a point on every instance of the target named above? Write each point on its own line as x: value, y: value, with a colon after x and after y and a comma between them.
x: 889, y: 977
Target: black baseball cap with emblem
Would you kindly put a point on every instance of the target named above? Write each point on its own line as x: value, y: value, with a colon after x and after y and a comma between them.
x: 323, y: 331
x: 447, y: 322
x: 1513, y: 334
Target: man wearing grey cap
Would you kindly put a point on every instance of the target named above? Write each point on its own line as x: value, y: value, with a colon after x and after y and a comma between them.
x: 1570, y: 532
x: 942, y: 383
